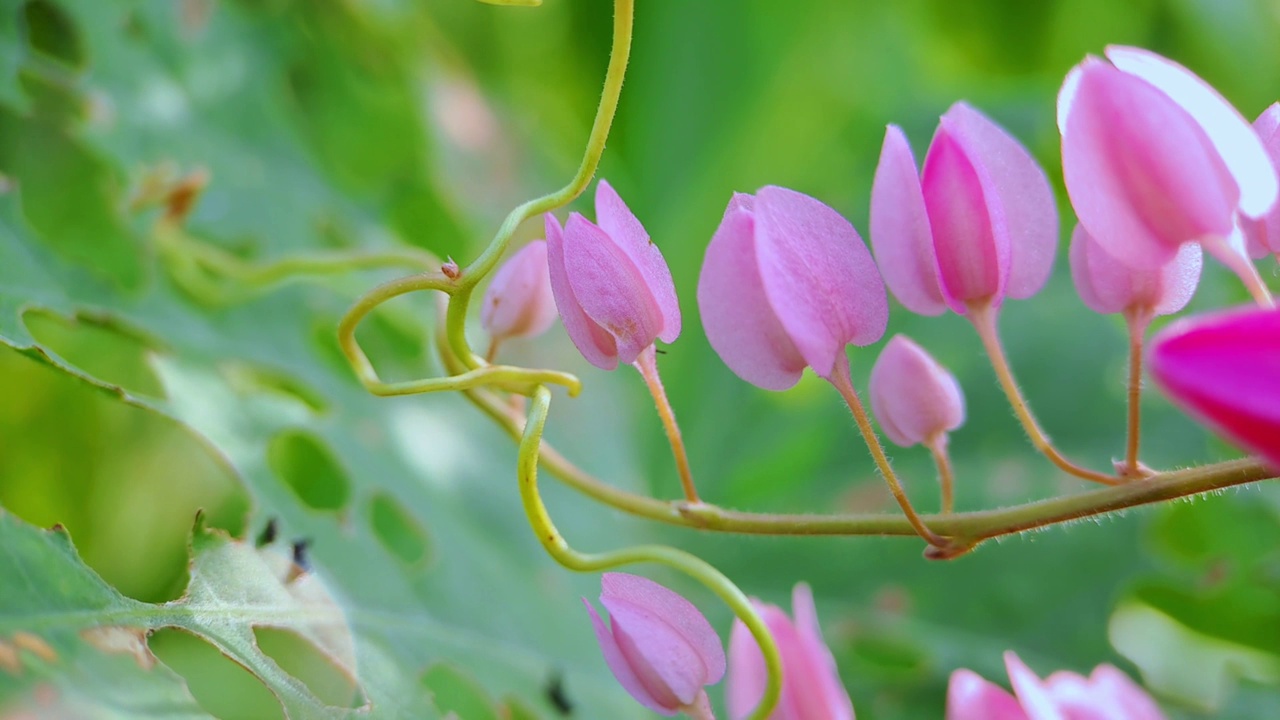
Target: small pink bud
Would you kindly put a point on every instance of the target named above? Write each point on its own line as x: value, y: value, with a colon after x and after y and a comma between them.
x: 611, y: 284
x: 977, y: 225
x: 1263, y: 234
x: 659, y: 647
x: 1153, y: 158
x: 518, y: 302
x: 787, y: 283
x: 1224, y: 368
x: 914, y: 398
x: 1107, y: 694
x: 811, y: 688
x: 1109, y: 286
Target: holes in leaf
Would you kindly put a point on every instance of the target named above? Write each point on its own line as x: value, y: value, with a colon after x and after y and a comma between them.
x: 308, y: 467
x: 398, y: 531
x: 51, y: 32
x: 298, y: 657
x: 256, y: 380
x: 124, y: 481
x: 100, y: 347
x: 222, y: 687
x: 457, y: 693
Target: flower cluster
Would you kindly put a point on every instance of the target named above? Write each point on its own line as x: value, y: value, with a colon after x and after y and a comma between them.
x: 1160, y: 169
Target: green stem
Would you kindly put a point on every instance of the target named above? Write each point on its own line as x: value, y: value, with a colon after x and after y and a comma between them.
x: 697, y: 568
x: 605, y: 111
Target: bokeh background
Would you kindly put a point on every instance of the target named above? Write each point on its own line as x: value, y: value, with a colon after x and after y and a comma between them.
x: 128, y: 402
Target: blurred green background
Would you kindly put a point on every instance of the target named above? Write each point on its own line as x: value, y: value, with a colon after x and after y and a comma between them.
x: 129, y: 403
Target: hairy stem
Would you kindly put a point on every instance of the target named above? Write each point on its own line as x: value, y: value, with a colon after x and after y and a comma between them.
x: 1137, y: 320
x: 938, y: 447
x: 693, y: 566
x: 983, y: 318
x: 844, y: 384
x: 647, y: 364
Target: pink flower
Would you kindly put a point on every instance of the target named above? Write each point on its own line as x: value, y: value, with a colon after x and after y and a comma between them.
x: 978, y: 224
x: 788, y: 284
x: 811, y: 688
x: 914, y: 398
x: 518, y: 302
x: 1153, y: 158
x: 1224, y: 368
x: 1263, y: 234
x: 611, y: 284
x: 1109, y: 286
x: 1107, y: 694
x: 659, y: 647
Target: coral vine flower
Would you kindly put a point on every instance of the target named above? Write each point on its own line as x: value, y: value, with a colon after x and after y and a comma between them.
x: 914, y: 398
x: 611, y: 284
x: 787, y: 283
x: 1263, y: 234
x: 811, y: 688
x: 1107, y: 285
x: 977, y: 224
x: 1224, y: 368
x: 518, y: 302
x: 1107, y: 694
x: 658, y: 645
x: 1153, y: 158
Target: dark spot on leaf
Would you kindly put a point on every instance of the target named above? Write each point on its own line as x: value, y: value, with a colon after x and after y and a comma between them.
x: 268, y: 534
x: 300, y: 557
x: 557, y: 695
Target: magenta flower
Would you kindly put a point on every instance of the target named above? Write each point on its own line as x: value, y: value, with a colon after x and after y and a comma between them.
x: 1153, y: 158
x: 1107, y: 694
x: 1263, y: 234
x: 1224, y: 368
x: 611, y: 284
x: 811, y: 688
x: 976, y: 225
x: 787, y: 284
x: 659, y: 647
x: 915, y: 399
x: 518, y: 302
x: 1107, y: 285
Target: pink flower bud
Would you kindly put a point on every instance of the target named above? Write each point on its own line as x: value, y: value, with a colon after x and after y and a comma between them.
x: 787, y: 283
x: 811, y: 688
x: 1153, y: 157
x: 1224, y: 368
x: 611, y: 284
x: 518, y: 302
x: 914, y: 398
x: 1263, y: 234
x: 978, y: 224
x: 659, y: 647
x: 1109, y: 286
x: 1107, y: 694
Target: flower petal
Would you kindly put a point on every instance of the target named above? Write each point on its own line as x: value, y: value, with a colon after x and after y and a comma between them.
x: 819, y: 690
x: 619, y: 665
x: 1124, y: 694
x: 1030, y: 211
x: 970, y: 235
x: 748, y: 674
x: 519, y: 301
x: 616, y: 219
x: 818, y: 275
x: 681, y: 614
x: 595, y: 344
x: 736, y: 316
x: 900, y: 232
x: 912, y: 396
x: 610, y: 288
x: 1109, y: 286
x: 1230, y: 133
x: 1224, y: 368
x: 1263, y: 234
x: 668, y: 667
x: 1032, y: 694
x: 970, y: 697
x: 1142, y: 175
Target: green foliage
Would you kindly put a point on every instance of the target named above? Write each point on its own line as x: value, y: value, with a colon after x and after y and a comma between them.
x: 132, y: 400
